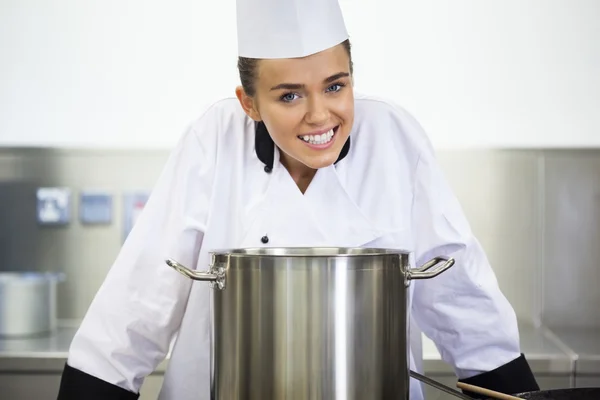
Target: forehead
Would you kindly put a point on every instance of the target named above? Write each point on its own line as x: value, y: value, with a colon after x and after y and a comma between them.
x: 315, y: 67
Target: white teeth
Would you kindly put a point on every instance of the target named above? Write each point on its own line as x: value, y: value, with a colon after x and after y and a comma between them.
x: 318, y: 139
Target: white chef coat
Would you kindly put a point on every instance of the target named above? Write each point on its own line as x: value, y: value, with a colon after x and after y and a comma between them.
x: 215, y: 194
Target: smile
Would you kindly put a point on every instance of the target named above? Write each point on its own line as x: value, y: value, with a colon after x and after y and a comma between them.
x: 320, y: 139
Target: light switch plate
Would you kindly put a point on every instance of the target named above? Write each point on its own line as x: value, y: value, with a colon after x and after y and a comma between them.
x: 53, y: 205
x: 95, y: 207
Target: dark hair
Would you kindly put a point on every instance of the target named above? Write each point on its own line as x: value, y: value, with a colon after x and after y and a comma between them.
x: 247, y: 69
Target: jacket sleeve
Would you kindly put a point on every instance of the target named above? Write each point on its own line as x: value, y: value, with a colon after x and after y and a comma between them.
x: 514, y: 377
x: 462, y: 310
x: 128, y: 328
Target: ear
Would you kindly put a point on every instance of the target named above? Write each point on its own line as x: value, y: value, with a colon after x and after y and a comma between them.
x: 248, y: 103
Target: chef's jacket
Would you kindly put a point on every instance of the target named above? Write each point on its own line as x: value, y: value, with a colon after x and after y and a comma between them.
x: 224, y: 187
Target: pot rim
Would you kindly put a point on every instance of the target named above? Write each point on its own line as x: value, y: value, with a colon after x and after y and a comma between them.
x: 309, y: 252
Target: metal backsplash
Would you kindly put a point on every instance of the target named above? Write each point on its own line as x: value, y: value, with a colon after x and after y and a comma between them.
x: 536, y: 213
x: 571, y: 246
x: 84, y: 253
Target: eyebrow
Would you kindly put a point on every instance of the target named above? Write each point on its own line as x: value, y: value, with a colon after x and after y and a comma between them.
x: 296, y: 86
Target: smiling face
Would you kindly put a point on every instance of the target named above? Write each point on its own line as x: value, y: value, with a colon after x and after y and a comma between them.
x: 307, y: 105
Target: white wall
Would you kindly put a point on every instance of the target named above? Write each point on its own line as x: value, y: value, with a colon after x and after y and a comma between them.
x: 133, y: 73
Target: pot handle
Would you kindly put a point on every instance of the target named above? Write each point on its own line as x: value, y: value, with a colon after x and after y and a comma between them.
x: 423, y: 271
x: 216, y: 276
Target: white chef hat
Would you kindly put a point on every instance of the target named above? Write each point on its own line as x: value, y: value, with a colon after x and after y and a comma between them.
x: 288, y: 28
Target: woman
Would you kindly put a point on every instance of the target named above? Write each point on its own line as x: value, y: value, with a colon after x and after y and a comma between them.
x: 296, y: 159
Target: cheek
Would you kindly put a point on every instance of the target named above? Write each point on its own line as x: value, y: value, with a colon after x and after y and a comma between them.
x: 282, y: 122
x: 344, y: 104
x: 345, y: 111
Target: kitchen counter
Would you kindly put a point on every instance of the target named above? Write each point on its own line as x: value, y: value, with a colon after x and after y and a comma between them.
x: 45, y: 354
x: 545, y: 354
x: 48, y: 354
x: 40, y: 354
x: 585, y: 343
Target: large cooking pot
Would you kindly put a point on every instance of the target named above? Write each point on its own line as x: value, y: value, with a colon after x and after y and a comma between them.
x: 28, y: 304
x: 299, y: 323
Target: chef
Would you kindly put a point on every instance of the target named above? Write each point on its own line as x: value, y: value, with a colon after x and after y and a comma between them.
x: 296, y: 158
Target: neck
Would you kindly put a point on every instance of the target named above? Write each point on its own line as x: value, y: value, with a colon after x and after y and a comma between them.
x: 300, y: 173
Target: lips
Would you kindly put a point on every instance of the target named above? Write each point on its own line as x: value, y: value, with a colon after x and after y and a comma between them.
x: 321, y: 138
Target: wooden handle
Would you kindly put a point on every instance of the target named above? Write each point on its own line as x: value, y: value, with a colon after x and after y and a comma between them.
x: 486, y: 392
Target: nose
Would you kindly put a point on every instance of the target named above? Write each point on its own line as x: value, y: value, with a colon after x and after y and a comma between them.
x: 317, y: 113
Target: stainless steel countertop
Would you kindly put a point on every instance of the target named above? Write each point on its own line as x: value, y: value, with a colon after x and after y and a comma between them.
x: 37, y: 354
x: 49, y: 354
x: 43, y: 354
x: 545, y: 354
x: 585, y: 343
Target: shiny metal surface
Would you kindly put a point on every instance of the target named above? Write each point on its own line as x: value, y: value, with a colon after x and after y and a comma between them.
x: 546, y: 357
x: 571, y: 236
x: 425, y: 272
x: 440, y: 386
x: 84, y: 253
x: 28, y: 303
x: 508, y: 212
x: 216, y: 273
x: 213, y: 275
x: 300, y: 323
x: 44, y: 353
x: 545, y: 353
x: 30, y: 358
x: 502, y: 213
x: 585, y: 343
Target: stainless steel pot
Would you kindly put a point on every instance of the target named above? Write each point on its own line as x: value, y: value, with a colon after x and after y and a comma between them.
x: 28, y: 303
x: 319, y: 323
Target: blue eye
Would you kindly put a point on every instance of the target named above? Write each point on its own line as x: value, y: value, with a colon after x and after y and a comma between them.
x: 288, y: 97
x: 336, y: 87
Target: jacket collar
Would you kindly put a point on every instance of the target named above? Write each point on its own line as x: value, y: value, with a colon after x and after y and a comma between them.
x: 265, y: 147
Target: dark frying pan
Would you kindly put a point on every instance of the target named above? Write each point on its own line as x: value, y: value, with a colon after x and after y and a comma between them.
x: 592, y: 393
x: 562, y: 394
